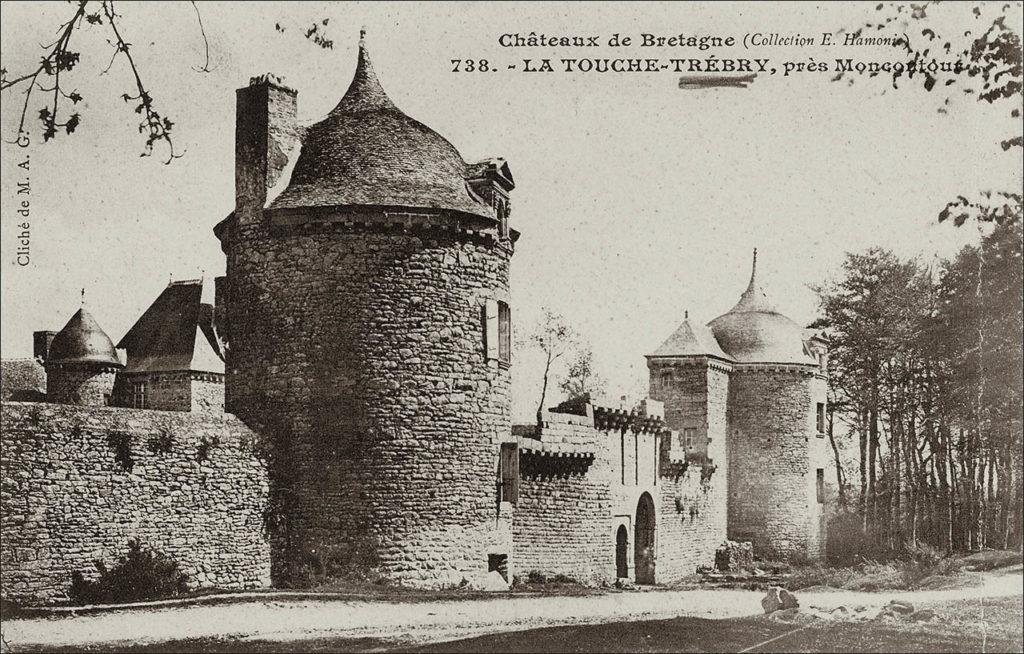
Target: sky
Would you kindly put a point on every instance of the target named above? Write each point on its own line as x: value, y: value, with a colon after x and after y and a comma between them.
x: 636, y: 201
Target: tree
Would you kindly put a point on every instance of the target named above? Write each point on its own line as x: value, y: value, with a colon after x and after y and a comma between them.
x: 553, y: 336
x: 990, y: 71
x: 926, y: 369
x: 581, y: 378
x: 61, y: 58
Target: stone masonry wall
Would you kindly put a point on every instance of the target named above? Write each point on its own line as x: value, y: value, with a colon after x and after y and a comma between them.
x: 771, y: 468
x: 208, y: 395
x: 821, y: 458
x: 562, y: 523
x: 692, y: 499
x: 361, y: 352
x: 81, y: 385
x: 193, y: 489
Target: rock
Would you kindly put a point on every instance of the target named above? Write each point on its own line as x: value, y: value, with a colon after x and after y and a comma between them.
x: 785, y: 615
x: 491, y: 582
x: 923, y: 615
x: 778, y: 598
x: 732, y: 556
x: 901, y: 607
x: 896, y: 609
x: 625, y: 583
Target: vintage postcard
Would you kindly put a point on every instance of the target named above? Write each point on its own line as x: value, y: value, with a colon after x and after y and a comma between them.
x: 512, y: 327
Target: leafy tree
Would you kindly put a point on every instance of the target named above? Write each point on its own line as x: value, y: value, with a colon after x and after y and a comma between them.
x: 60, y: 59
x: 989, y: 52
x: 926, y: 371
x: 555, y: 338
x: 581, y: 378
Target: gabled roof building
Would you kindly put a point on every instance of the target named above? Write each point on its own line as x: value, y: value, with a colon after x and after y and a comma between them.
x: 175, y: 357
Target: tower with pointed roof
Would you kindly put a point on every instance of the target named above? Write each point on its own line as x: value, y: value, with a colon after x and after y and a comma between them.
x: 753, y: 382
x: 81, y: 363
x: 368, y: 327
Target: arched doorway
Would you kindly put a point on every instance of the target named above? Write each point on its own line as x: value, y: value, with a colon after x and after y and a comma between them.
x: 622, y: 552
x: 643, y: 537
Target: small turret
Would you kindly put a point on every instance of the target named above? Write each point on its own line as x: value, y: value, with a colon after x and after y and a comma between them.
x: 81, y: 363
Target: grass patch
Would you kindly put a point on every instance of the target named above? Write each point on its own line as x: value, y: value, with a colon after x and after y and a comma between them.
x: 871, y: 575
x: 992, y: 560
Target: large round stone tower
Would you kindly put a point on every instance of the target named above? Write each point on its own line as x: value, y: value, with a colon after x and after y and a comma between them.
x: 368, y: 320
x: 775, y: 440
x: 81, y: 363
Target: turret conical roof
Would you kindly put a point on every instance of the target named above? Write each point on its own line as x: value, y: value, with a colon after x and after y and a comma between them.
x: 690, y: 340
x: 366, y: 152
x: 82, y: 340
x: 753, y: 331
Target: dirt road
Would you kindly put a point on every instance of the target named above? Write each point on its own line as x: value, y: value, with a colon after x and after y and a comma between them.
x: 288, y: 620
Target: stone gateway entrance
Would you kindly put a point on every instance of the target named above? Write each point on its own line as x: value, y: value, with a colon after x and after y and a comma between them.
x: 643, y: 553
x: 622, y: 552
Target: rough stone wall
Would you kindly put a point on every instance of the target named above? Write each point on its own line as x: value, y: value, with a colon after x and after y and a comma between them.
x: 361, y: 352
x: 692, y: 500
x: 820, y: 458
x: 195, y: 490
x: 80, y: 385
x: 562, y: 523
x: 571, y: 508
x: 691, y: 390
x: 772, y: 438
x: 207, y: 396
x: 22, y: 380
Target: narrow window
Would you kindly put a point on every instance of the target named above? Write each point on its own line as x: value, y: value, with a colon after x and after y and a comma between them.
x: 622, y: 455
x: 139, y: 395
x: 491, y: 329
x: 689, y: 437
x: 504, y: 332
x: 502, y: 211
x: 508, y: 472
x: 498, y: 331
x: 821, y: 485
x: 636, y: 459
x: 821, y: 418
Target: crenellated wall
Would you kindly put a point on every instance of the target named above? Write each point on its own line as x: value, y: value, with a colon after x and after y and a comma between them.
x: 76, y: 483
x: 585, y: 474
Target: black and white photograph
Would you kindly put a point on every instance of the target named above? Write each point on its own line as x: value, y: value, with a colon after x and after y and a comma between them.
x: 511, y: 326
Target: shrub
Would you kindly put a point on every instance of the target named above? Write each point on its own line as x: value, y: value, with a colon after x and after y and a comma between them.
x: 141, y: 574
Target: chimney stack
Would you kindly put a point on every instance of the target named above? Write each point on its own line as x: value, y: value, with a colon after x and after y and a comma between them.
x: 266, y: 133
x: 41, y: 344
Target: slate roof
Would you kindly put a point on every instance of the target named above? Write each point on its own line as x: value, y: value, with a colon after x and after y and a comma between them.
x: 22, y: 380
x: 690, y: 340
x: 366, y: 152
x: 82, y: 341
x: 176, y: 333
x: 753, y: 331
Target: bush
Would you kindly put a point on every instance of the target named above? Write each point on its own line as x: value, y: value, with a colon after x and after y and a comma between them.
x: 354, y: 562
x: 141, y: 574
x: 536, y: 577
x: 908, y: 574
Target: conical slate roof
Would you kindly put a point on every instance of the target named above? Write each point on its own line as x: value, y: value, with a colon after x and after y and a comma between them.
x: 690, y: 340
x: 753, y: 331
x: 82, y: 340
x: 366, y: 152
